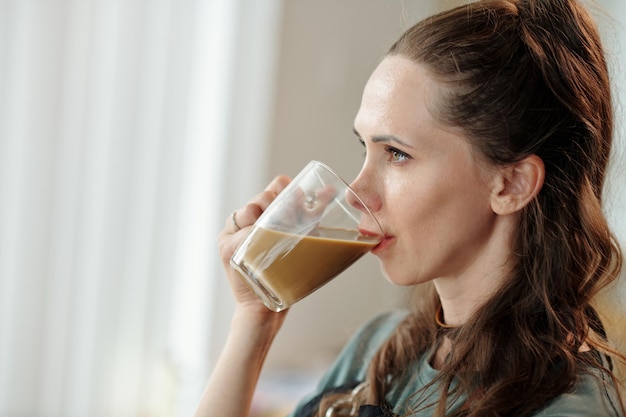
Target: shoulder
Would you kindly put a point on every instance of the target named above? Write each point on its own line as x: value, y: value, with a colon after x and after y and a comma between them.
x: 350, y: 367
x: 593, y: 395
x: 351, y: 364
x: 377, y: 330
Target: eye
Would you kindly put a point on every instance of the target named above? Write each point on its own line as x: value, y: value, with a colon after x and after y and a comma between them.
x: 396, y: 155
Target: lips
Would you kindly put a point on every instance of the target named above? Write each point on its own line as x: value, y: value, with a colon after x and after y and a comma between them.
x: 385, y: 243
x: 366, y: 232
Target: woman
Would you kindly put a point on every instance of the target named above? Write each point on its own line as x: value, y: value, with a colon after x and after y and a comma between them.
x: 487, y: 131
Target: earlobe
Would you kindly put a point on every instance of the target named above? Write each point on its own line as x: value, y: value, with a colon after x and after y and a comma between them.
x: 516, y: 185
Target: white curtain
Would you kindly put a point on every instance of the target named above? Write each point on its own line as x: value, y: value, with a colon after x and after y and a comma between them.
x: 116, y: 138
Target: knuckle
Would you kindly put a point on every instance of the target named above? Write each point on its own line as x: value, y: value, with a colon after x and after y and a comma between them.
x: 253, y: 210
x: 278, y: 184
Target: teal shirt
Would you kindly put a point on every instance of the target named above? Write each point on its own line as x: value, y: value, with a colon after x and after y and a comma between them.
x: 591, y: 397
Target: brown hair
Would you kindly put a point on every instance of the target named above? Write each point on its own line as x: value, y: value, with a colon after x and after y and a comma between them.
x: 521, y: 77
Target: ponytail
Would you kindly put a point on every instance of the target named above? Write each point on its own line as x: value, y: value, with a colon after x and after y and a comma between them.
x: 565, y: 46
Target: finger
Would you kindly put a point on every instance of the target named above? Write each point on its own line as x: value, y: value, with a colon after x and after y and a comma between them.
x: 248, y: 214
x: 326, y: 194
x: 315, y: 203
x: 278, y: 184
x: 233, y: 221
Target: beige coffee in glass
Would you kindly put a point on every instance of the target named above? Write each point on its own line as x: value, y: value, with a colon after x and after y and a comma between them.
x: 310, y: 233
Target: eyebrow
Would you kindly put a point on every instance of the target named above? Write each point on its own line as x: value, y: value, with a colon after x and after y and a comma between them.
x: 385, y: 139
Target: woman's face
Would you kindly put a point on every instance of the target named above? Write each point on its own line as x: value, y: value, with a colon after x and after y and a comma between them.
x: 421, y: 180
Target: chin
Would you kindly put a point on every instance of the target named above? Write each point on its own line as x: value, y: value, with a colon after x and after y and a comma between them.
x: 396, y: 278
x: 401, y: 278
x: 386, y: 273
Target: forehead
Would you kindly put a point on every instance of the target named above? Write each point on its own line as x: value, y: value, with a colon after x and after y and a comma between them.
x: 401, y: 99
x: 400, y: 96
x: 396, y: 71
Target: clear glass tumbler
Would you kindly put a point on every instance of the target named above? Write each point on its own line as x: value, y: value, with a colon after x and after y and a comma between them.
x: 310, y: 233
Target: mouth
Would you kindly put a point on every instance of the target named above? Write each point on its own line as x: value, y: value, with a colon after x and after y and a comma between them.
x: 385, y: 240
x: 384, y: 243
x: 367, y: 232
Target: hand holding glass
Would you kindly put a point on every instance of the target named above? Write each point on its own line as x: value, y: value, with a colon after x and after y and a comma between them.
x: 310, y: 233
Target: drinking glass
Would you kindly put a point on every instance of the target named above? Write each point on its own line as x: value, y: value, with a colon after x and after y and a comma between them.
x: 307, y: 236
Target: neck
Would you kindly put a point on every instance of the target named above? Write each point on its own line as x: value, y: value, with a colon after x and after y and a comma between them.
x: 462, y: 294
x: 440, y: 320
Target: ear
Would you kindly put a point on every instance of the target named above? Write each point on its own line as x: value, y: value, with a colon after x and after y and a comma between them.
x: 517, y: 184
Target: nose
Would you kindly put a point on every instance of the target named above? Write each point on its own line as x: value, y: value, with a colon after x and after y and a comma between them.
x: 364, y: 186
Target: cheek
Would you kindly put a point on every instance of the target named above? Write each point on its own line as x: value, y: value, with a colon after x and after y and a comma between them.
x: 443, y: 202
x: 415, y: 192
x: 401, y: 194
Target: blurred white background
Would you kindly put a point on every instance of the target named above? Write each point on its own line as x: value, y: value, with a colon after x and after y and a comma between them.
x: 129, y: 129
